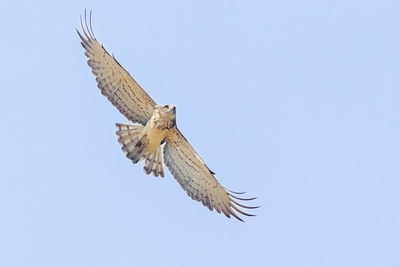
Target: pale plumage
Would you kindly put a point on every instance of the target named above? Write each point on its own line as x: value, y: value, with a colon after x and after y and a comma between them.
x: 115, y: 82
x: 159, y: 127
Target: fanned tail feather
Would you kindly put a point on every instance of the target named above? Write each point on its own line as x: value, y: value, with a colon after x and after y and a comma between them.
x: 134, y: 146
x: 131, y: 140
x: 153, y: 164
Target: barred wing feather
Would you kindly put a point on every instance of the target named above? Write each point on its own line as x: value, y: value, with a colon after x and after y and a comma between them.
x: 196, y: 178
x: 114, y: 81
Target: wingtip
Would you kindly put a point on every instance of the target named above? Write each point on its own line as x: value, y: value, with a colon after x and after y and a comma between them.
x: 241, y: 198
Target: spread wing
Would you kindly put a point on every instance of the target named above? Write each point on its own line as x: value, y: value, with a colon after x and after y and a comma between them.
x: 197, y: 179
x: 114, y: 81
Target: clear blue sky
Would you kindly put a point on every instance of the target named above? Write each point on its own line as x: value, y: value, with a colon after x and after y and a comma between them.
x: 296, y: 102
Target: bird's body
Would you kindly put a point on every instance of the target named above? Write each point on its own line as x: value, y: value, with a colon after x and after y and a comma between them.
x: 158, y: 128
x: 140, y: 142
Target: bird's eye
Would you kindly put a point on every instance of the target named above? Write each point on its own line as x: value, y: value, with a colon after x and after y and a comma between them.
x: 165, y: 107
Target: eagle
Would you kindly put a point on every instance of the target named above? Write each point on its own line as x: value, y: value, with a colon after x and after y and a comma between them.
x: 155, y: 136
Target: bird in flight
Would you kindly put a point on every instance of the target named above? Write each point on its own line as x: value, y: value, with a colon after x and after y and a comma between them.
x: 155, y: 127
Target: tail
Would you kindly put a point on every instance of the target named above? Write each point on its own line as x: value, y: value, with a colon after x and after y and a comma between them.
x: 154, y: 163
x: 134, y: 145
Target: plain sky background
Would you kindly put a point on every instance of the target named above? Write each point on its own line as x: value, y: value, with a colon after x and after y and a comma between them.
x: 296, y: 102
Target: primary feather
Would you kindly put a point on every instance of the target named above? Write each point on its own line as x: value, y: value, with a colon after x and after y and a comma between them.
x: 114, y: 81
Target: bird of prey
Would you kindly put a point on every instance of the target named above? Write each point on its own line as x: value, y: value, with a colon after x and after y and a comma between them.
x: 156, y: 127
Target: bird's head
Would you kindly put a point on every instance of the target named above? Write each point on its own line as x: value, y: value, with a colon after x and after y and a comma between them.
x: 167, y: 114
